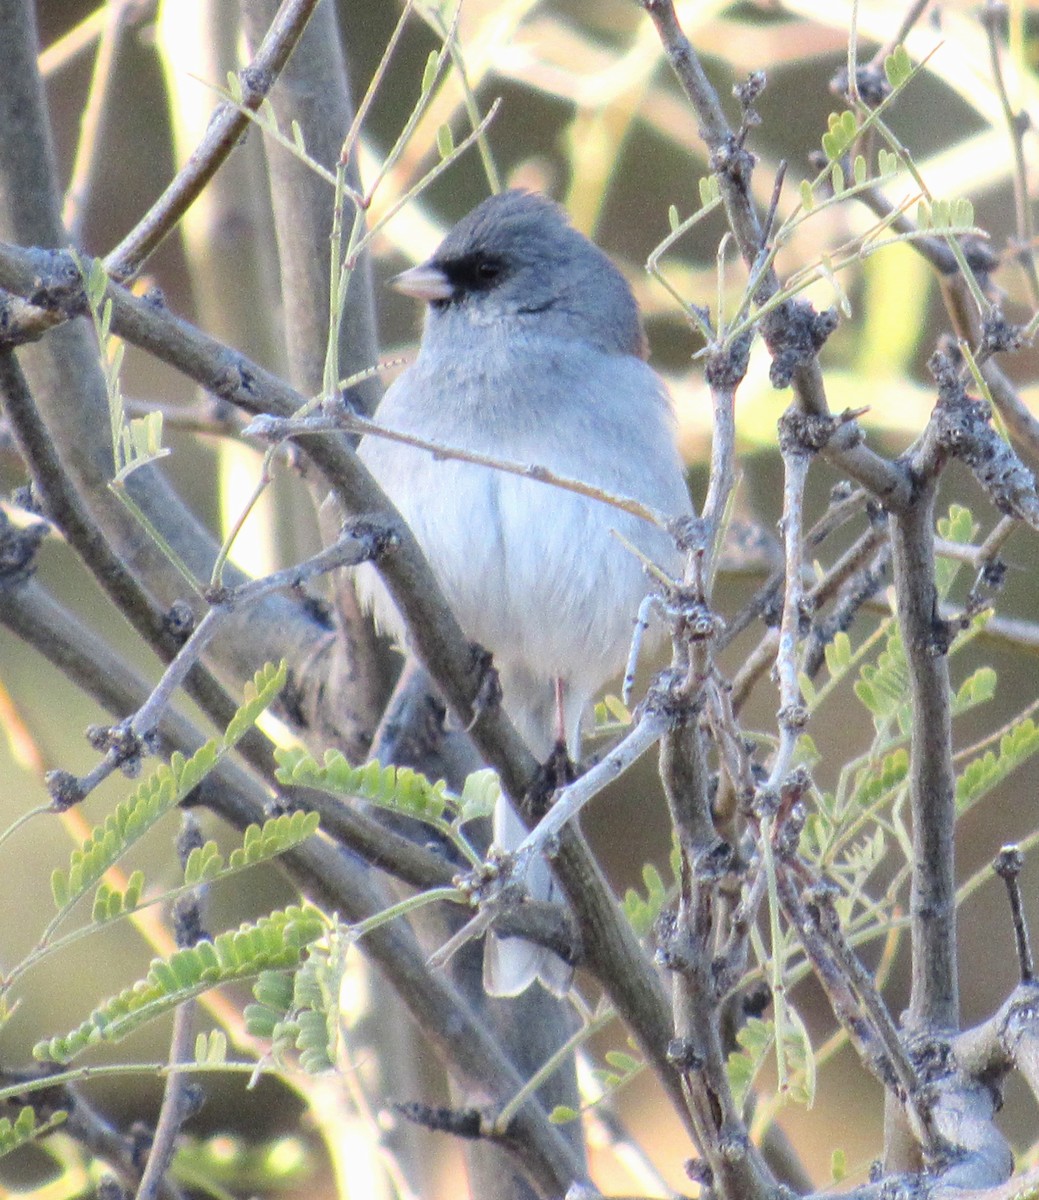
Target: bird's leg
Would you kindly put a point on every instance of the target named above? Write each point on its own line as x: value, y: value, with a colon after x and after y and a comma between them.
x: 560, y: 717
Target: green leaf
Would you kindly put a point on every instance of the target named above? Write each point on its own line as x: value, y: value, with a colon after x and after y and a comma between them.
x: 625, y: 1063
x: 960, y: 528
x: 673, y: 219
x: 807, y: 196
x: 59, y: 887
x: 872, y: 784
x: 107, y: 903
x: 709, y: 190
x: 898, y: 67
x: 883, y: 686
x: 838, y: 654
x: 887, y: 162
x: 275, y: 941
x: 302, y: 1011
x: 976, y: 689
x: 429, y: 74
x: 642, y: 911
x: 162, y: 791
x: 445, y: 141
x: 838, y: 1165
x: 624, y: 1068
x: 24, y: 1128
x: 397, y: 788
x: 274, y: 837
x: 755, y: 1040
x: 983, y: 773
x: 211, y: 1049
x: 480, y: 793
x: 203, y: 863
x: 806, y: 753
x: 274, y: 988
x: 259, y: 695
x: 562, y: 1115
x: 843, y: 129
x: 800, y: 1060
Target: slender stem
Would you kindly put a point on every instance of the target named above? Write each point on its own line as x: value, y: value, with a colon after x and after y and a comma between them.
x: 225, y: 130
x: 934, y: 1002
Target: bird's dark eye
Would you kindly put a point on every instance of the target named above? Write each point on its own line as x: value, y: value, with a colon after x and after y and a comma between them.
x: 477, y: 271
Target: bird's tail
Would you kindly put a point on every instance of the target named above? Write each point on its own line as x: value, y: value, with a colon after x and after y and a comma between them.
x: 510, y: 965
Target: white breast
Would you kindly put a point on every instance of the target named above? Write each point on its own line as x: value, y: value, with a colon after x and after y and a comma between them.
x: 532, y: 572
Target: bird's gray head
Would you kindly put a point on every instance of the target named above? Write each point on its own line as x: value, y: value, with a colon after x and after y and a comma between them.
x: 516, y: 262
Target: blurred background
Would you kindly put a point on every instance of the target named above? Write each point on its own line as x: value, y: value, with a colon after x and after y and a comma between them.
x: 591, y: 115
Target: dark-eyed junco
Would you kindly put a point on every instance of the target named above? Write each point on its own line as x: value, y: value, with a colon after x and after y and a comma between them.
x: 533, y: 351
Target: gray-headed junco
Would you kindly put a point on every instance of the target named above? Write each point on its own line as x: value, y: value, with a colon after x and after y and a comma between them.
x: 533, y: 351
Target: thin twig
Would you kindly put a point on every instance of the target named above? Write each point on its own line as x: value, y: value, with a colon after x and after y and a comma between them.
x: 226, y: 127
x: 992, y: 16
x: 275, y: 429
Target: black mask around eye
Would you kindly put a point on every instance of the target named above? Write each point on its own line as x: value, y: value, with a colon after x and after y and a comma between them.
x: 478, y: 271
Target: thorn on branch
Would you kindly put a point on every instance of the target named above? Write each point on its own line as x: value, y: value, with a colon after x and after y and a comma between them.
x: 962, y: 428
x: 747, y: 94
x: 998, y: 335
x: 683, y: 1056
x: 773, y: 208
x: 698, y: 1171
x: 179, y: 620
x: 805, y: 433
x: 61, y: 289
x: 460, y: 1122
x: 1007, y: 865
x: 64, y: 788
x: 756, y: 1000
x: 727, y: 366
x: 794, y: 334
x: 188, y: 929
x: 733, y: 162
x: 870, y: 83
x: 124, y: 748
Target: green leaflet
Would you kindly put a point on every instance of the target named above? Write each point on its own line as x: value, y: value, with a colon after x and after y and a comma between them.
x: 271, y: 942
x: 301, y: 1011
x: 165, y: 788
x: 983, y: 773
x: 398, y: 788
x: 24, y: 1128
x: 274, y: 837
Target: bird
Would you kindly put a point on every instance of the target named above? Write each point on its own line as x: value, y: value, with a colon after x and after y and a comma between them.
x: 532, y: 350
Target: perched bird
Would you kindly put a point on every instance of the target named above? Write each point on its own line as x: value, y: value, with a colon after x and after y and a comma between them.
x: 533, y: 351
